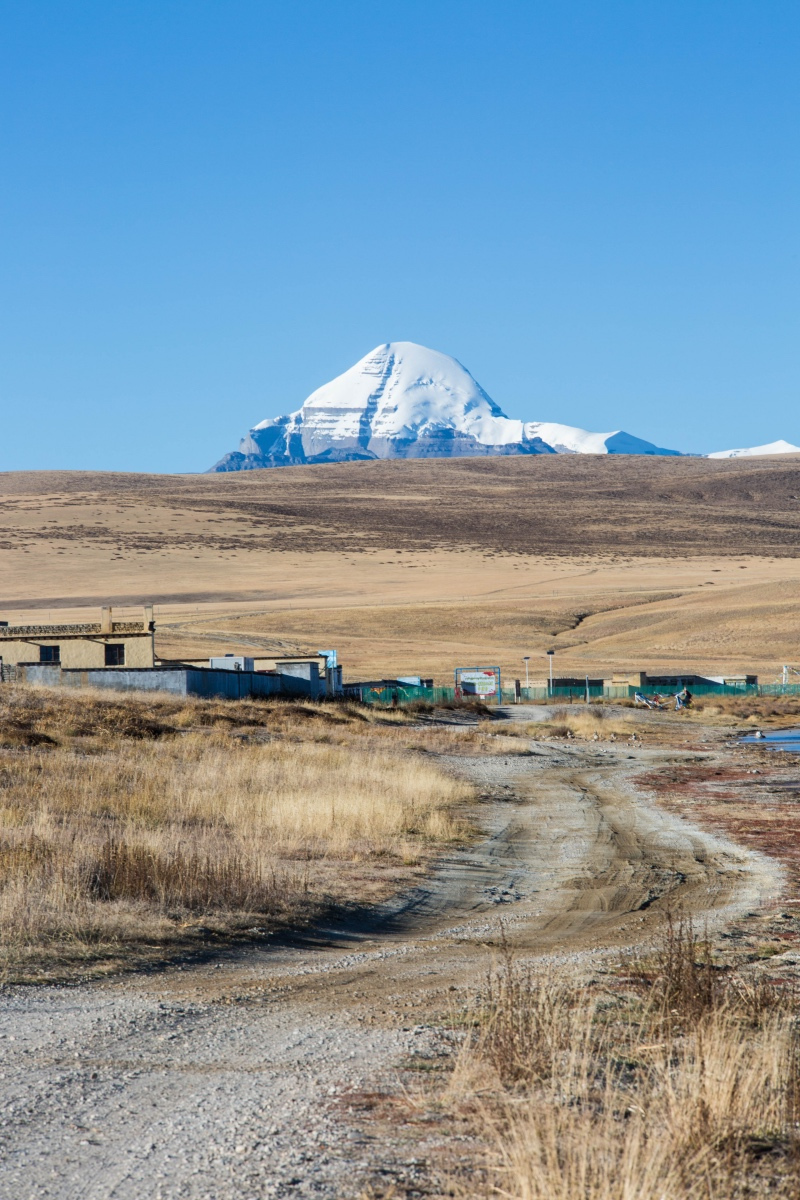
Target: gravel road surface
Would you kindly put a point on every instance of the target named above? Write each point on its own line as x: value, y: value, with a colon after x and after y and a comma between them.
x: 245, y: 1078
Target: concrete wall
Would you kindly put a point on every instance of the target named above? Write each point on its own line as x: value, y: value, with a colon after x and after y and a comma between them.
x: 50, y: 676
x: 301, y: 679
x: 120, y: 678
x: 179, y: 681
x: 623, y: 680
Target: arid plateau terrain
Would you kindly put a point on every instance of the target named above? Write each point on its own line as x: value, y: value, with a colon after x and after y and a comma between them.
x: 278, y: 949
x: 421, y: 566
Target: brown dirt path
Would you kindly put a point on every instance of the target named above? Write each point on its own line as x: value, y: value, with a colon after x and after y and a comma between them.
x: 247, y: 1078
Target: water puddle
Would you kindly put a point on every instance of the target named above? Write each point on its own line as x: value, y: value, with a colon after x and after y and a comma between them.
x: 781, y: 739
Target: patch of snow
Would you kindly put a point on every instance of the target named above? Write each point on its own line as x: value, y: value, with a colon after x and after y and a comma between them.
x: 779, y: 447
x: 567, y: 439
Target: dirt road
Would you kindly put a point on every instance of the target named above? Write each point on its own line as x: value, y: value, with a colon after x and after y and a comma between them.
x: 245, y: 1078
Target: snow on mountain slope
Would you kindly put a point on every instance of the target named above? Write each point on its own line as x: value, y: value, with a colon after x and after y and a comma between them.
x: 405, y: 401
x: 566, y: 439
x: 779, y: 447
x: 401, y: 389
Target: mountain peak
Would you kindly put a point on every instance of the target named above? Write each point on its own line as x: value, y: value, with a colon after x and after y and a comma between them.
x: 406, y: 379
x: 403, y: 400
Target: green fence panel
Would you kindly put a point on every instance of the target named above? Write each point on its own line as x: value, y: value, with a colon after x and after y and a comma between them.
x: 401, y: 694
x: 698, y: 689
x: 408, y: 694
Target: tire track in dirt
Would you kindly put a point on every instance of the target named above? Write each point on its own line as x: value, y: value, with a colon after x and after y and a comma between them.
x: 236, y: 1080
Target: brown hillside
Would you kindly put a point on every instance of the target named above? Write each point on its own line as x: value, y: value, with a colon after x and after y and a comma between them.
x: 424, y: 565
x: 568, y: 504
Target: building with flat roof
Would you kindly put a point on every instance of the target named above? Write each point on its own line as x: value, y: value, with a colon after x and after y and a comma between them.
x: 627, y: 682
x: 80, y: 645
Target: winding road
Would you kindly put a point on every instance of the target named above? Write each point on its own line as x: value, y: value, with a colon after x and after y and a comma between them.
x: 245, y: 1078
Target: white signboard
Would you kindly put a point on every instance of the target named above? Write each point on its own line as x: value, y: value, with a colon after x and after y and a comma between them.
x: 479, y: 683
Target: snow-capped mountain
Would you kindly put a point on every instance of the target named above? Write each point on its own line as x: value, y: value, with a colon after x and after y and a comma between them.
x: 405, y: 401
x: 779, y: 447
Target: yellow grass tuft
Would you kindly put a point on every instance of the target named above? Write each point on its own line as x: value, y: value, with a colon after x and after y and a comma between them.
x: 585, y: 722
x: 685, y: 1091
x: 196, y: 815
x: 753, y: 710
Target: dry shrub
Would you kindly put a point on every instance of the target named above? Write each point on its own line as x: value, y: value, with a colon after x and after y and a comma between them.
x: 781, y: 709
x: 176, y: 879
x: 472, y: 707
x: 381, y: 714
x: 588, y: 722
x: 37, y: 715
x: 463, y: 740
x: 527, y: 1030
x: 592, y: 1096
x: 683, y: 983
x: 681, y: 977
x: 560, y: 731
x: 128, y: 837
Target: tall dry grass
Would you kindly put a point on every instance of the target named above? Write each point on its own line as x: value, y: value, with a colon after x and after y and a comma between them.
x: 586, y: 722
x: 124, y: 821
x: 678, y: 1093
x: 755, y: 710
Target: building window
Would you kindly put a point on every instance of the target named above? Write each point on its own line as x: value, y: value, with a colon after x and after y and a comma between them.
x: 50, y: 654
x: 115, y: 655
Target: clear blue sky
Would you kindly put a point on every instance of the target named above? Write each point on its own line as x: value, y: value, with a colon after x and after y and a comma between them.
x: 210, y: 207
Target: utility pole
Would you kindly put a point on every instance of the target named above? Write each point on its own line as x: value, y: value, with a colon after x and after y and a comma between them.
x: 526, y: 660
x: 550, y: 654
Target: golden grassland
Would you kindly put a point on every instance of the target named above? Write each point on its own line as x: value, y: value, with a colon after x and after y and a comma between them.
x: 770, y: 711
x: 142, y: 826
x: 623, y: 718
x: 673, y: 1081
x: 419, y: 567
x: 653, y: 616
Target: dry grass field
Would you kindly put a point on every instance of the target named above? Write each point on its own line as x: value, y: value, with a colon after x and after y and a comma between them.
x: 138, y: 827
x: 421, y: 566
x: 682, y: 1082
